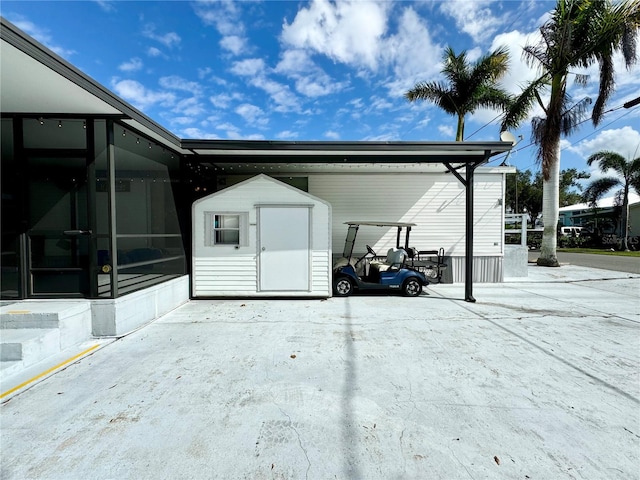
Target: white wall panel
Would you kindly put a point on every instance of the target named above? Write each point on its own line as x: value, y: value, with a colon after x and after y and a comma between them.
x: 436, y: 203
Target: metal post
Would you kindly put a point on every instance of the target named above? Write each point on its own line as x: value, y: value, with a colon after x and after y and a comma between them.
x: 468, y: 270
x: 111, y: 182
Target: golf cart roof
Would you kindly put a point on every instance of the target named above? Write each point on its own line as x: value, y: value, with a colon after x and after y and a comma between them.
x: 381, y: 224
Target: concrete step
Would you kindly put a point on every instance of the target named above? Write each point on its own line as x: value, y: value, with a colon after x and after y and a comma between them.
x: 41, y: 313
x: 32, y: 331
x: 29, y: 345
x: 72, y: 318
x: 8, y: 370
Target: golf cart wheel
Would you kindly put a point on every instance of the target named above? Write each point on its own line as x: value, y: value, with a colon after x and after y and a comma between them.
x: 342, y: 287
x: 411, y: 287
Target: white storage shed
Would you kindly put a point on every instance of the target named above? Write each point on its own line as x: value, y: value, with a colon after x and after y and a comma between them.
x: 261, y: 238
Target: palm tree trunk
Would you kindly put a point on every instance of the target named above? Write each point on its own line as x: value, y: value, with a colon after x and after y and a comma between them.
x: 625, y: 220
x: 550, y: 214
x: 460, y: 131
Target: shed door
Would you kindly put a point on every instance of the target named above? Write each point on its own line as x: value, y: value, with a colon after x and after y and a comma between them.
x: 284, y: 248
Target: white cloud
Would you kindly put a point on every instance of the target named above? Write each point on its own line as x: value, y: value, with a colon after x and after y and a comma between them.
x: 625, y: 141
x: 348, y: 32
x: 281, y: 94
x: 474, y: 18
x: 319, y: 85
x: 223, y: 100
x: 447, y: 131
x: 310, y: 80
x: 287, y: 135
x: 154, y: 52
x: 332, y: 135
x: 230, y: 129
x: 294, y: 61
x: 224, y: 15
x: 256, y: 72
x: 355, y: 33
x: 253, y: 136
x: 106, y: 5
x: 41, y: 36
x: 190, y: 106
x: 181, y: 121
x: 140, y: 96
x: 234, y: 44
x: 174, y: 82
x: 519, y: 73
x: 249, y: 67
x: 169, y: 39
x: 204, y: 72
x: 399, y: 51
x: 378, y: 105
x: 132, y: 65
x: 198, y: 133
x: 252, y: 114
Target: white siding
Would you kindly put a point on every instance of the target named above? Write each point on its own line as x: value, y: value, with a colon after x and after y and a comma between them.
x: 227, y: 270
x: 436, y: 203
x: 224, y: 275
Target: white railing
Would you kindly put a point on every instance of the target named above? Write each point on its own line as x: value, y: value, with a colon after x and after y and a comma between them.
x: 515, y: 224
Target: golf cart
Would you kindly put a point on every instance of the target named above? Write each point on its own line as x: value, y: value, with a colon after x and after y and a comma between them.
x: 402, y: 269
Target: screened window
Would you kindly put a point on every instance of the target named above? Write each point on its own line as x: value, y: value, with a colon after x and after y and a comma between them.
x: 225, y: 229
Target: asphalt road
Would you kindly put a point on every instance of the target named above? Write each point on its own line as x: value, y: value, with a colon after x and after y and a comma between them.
x: 607, y: 262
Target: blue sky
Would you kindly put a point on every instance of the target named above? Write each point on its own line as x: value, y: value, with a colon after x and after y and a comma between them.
x: 319, y: 70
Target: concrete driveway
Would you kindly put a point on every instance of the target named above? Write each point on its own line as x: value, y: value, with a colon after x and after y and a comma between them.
x: 537, y: 380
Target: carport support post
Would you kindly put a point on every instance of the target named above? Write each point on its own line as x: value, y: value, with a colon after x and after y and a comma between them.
x: 468, y: 237
x: 467, y: 181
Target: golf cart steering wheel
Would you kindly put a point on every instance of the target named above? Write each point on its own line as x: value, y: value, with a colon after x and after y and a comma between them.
x: 370, y: 250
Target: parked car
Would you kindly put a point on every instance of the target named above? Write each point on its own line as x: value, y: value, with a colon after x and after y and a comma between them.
x: 570, y: 231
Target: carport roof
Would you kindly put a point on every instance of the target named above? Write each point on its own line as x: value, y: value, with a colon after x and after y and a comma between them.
x: 261, y: 151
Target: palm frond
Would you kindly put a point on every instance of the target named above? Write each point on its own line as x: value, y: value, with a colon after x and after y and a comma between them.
x: 608, y: 160
x: 572, y: 117
x: 598, y: 188
x: 581, y: 79
x: 522, y: 104
x: 606, y: 88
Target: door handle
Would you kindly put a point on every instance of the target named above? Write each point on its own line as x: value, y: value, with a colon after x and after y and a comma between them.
x: 77, y: 232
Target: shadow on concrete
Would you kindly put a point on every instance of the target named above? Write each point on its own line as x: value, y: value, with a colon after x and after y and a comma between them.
x: 349, y: 435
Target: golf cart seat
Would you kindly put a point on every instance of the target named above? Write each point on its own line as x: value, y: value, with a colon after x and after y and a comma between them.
x: 395, y: 260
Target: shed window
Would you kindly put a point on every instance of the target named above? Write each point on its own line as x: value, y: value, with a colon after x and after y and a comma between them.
x: 225, y: 229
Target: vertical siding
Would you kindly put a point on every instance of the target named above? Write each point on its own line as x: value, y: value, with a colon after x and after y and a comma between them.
x: 485, y: 269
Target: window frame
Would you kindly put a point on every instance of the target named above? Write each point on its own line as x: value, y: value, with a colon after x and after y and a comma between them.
x: 210, y: 229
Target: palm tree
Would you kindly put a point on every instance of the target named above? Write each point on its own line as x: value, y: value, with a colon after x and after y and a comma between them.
x: 628, y: 178
x: 469, y: 86
x: 579, y: 33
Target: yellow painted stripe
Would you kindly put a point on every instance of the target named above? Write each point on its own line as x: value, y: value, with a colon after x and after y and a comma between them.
x: 24, y: 384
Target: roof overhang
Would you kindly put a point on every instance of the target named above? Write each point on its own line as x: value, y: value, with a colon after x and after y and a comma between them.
x: 242, y: 156
x: 35, y: 81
